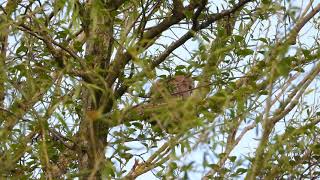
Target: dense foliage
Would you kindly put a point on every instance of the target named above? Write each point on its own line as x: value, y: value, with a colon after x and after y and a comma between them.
x: 108, y: 89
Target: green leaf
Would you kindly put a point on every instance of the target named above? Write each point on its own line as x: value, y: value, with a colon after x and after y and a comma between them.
x: 78, y: 46
x: 62, y: 121
x: 264, y: 92
x: 138, y: 125
x: 217, y: 102
x: 263, y: 40
x: 221, y: 155
x: 244, y: 52
x: 22, y: 48
x: 188, y: 14
x: 180, y: 67
x: 238, y: 38
x: 267, y: 2
x: 241, y: 171
x: 299, y: 69
x: 205, y: 37
x: 306, y: 52
x: 233, y: 158
x: 108, y: 170
x: 62, y: 34
x: 58, y: 5
x: 284, y: 66
x: 173, y: 165
x: 215, y: 167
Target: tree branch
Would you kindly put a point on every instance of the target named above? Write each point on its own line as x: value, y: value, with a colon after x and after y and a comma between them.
x: 173, y: 46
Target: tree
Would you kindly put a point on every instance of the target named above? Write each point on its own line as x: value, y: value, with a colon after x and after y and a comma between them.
x: 76, y: 77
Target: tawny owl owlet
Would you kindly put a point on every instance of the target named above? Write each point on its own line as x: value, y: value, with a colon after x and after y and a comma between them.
x: 177, y: 86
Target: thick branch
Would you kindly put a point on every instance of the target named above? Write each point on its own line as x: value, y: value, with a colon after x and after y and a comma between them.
x: 173, y: 46
x: 7, y: 12
x: 120, y: 62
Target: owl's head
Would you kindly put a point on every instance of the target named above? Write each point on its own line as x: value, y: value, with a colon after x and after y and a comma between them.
x: 182, y: 85
x: 177, y: 86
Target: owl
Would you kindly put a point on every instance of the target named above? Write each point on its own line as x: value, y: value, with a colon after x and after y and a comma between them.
x: 160, y: 112
x: 181, y: 86
x: 177, y: 86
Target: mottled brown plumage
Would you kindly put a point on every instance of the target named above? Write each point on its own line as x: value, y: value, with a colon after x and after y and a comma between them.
x: 181, y: 86
x: 177, y: 86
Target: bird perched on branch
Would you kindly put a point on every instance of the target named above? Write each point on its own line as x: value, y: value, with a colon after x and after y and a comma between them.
x: 176, y: 86
x: 162, y: 110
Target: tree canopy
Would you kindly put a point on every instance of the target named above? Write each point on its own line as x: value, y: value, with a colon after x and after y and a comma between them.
x: 169, y: 89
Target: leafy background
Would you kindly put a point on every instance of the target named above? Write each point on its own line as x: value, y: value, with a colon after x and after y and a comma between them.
x: 76, y: 89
